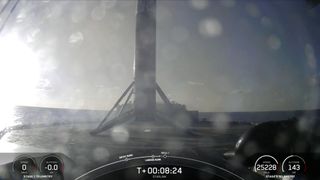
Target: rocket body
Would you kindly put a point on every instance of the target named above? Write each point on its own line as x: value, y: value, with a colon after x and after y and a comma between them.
x: 145, y: 61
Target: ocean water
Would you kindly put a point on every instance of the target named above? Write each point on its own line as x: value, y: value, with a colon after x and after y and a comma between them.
x: 33, y: 116
x: 68, y: 131
x: 22, y: 116
x: 41, y: 115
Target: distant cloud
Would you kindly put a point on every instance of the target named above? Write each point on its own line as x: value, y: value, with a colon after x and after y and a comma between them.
x: 240, y: 91
x: 228, y: 3
x: 193, y: 83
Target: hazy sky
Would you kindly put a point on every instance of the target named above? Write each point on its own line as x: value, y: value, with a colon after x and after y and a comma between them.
x: 211, y: 55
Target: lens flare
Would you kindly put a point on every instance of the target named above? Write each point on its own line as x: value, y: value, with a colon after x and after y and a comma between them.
x: 19, y: 76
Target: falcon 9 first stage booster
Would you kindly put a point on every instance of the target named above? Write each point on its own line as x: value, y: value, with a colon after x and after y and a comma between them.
x: 145, y: 61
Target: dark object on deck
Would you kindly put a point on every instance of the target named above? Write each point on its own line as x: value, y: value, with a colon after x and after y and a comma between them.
x: 273, y: 136
x: 281, y: 138
x: 313, y: 3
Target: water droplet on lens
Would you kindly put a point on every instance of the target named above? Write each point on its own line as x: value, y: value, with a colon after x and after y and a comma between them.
x: 76, y: 37
x: 199, y: 4
x: 274, y: 42
x: 210, y: 27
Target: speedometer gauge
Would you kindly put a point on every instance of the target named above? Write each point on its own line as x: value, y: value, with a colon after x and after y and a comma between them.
x: 24, y: 165
x: 266, y: 165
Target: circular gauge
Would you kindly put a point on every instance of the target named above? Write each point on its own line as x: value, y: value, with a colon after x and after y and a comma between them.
x: 24, y: 165
x: 266, y: 165
x: 294, y: 165
x: 51, y: 165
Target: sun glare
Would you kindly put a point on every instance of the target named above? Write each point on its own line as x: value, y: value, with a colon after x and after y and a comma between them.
x: 19, y: 76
